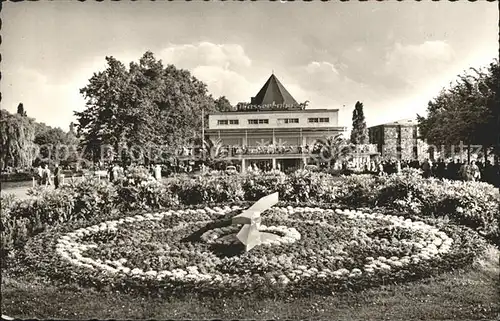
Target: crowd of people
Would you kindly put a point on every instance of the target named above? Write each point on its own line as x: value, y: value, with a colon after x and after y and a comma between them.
x: 455, y: 170
x: 43, y: 176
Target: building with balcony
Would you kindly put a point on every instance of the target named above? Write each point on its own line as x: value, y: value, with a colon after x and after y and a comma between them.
x: 273, y: 128
x: 399, y: 140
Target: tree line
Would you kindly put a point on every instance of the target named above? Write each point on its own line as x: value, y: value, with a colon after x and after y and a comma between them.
x: 25, y: 142
x: 148, y: 103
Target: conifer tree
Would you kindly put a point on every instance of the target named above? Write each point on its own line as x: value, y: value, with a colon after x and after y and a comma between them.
x: 359, y: 133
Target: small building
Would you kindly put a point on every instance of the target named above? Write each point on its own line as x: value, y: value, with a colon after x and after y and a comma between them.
x: 399, y: 140
x: 273, y: 128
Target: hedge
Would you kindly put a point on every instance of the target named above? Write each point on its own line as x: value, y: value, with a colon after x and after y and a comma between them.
x: 472, y: 204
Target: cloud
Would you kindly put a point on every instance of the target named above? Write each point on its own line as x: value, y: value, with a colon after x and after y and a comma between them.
x: 224, y: 82
x: 227, y: 56
x: 223, y: 67
x: 321, y: 67
x: 417, y: 64
x: 429, y: 50
x: 45, y: 101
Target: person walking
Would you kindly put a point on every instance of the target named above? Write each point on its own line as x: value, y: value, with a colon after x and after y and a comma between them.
x: 398, y: 167
x: 111, y: 173
x: 157, y: 172
x: 381, y: 169
x: 57, y: 176
x: 39, y: 175
x: 46, y: 176
x: 475, y: 173
x: 464, y: 172
x: 426, y: 167
x: 373, y: 167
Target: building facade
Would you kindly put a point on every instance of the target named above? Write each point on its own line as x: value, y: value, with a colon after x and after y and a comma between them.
x: 272, y: 129
x: 399, y: 140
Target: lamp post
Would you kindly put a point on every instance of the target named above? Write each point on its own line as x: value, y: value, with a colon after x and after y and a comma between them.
x: 203, y: 126
x: 203, y: 133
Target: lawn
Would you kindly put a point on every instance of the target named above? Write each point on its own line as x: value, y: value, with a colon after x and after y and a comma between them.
x: 54, y: 284
x: 456, y: 295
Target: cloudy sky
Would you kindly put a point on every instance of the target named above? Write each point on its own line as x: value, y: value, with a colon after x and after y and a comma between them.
x: 392, y: 56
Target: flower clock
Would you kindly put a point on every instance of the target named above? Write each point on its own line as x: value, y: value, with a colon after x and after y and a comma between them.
x: 324, y: 249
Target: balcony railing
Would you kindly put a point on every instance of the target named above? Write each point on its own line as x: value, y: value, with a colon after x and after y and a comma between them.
x: 226, y: 151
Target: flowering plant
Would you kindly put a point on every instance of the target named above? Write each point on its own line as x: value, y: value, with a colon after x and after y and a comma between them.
x: 320, y: 248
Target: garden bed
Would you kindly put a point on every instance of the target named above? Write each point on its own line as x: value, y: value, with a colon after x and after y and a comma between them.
x: 321, y: 250
x: 377, y: 256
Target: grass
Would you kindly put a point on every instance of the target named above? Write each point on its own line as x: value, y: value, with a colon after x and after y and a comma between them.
x: 456, y: 295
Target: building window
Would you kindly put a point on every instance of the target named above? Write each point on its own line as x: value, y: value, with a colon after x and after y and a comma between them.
x: 288, y: 120
x: 228, y: 122
x: 258, y: 121
x: 319, y: 120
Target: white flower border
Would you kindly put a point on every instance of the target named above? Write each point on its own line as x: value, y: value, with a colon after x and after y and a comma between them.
x: 437, y: 243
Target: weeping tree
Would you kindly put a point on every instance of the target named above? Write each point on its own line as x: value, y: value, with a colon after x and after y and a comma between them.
x: 17, y: 133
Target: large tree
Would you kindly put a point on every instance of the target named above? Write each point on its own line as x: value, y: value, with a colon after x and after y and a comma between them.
x: 17, y: 133
x: 468, y: 111
x: 143, y: 105
x: 359, y: 133
x: 223, y: 104
x: 55, y: 145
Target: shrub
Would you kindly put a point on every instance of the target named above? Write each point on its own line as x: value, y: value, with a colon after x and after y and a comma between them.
x: 312, y: 187
x: 45, y: 208
x: 357, y: 190
x: 16, y: 177
x: 92, y: 198
x: 257, y: 185
x: 203, y: 189
x: 140, y: 191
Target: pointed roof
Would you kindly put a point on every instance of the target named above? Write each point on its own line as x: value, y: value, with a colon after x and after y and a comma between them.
x: 273, y: 92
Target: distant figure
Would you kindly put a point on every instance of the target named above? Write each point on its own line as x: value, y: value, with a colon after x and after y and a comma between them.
x: 39, y: 175
x: 57, y: 176
x: 158, y: 172
x: 380, y: 169
x: 46, y: 176
x: 398, y: 167
x: 116, y: 170
x: 426, y: 167
x: 475, y: 173
x: 464, y: 172
x: 111, y: 175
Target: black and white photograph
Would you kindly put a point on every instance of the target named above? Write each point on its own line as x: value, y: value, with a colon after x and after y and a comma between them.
x: 264, y: 160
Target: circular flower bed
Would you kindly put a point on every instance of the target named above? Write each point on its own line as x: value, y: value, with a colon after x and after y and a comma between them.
x: 317, y: 249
